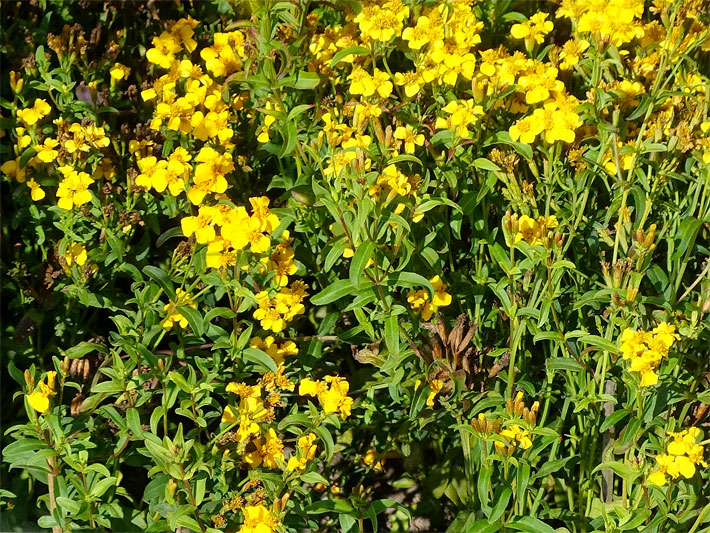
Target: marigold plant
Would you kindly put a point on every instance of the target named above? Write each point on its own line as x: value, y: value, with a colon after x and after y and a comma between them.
x: 355, y: 265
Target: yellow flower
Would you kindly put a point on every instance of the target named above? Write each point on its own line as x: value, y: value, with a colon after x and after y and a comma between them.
x: 372, y: 457
x: 46, y: 152
x: 412, y: 82
x: 272, y: 450
x: 533, y: 30
x: 34, y: 114
x: 202, y: 226
x: 419, y: 300
x: 305, y: 452
x: 228, y: 416
x: 270, y: 312
x: 36, y: 192
x: 571, y: 53
x: 75, y: 253
x: 410, y: 138
x: 39, y: 397
x: 527, y: 129
x: 119, y: 71
x: 435, y: 387
x: 366, y: 85
x: 164, y: 49
x: 258, y: 519
x: 462, y: 114
x: 278, y: 352
x: 332, y: 394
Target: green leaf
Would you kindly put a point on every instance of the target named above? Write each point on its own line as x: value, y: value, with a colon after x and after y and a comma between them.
x: 327, y: 439
x: 108, y: 387
x: 687, y: 232
x: 500, y: 504
x: 392, y: 335
x: 102, y: 486
x: 299, y: 110
x: 563, y: 363
x: 348, y: 524
x: 134, y: 422
x: 333, y: 292
x: 83, y: 348
x: 301, y: 80
x: 329, y: 506
x: 28, y: 154
x: 484, y: 164
x: 600, y: 343
x: 622, y: 470
x: 161, y: 278
x: 550, y: 467
x: 260, y: 359
x: 193, y: 317
x: 362, y: 257
x: 351, y: 50
x: 410, y: 279
x: 180, y: 381
x: 290, y: 137
x: 314, y: 477
x: 484, y: 483
x: 613, y: 418
x: 168, y: 234
x: 69, y: 505
x: 522, y: 477
x: 531, y: 525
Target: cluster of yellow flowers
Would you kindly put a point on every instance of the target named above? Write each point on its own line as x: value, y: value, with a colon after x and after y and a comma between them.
x: 461, y: 115
x: 682, y: 457
x: 237, y: 230
x: 31, y: 115
x: 188, y: 100
x: 608, y: 21
x: 514, y: 437
x: 527, y: 229
x: 509, y: 436
x: 73, y: 190
x: 257, y: 444
x: 646, y: 349
x: 332, y: 393
x: 420, y: 301
x: 557, y: 117
x: 274, y: 312
x: 72, y: 139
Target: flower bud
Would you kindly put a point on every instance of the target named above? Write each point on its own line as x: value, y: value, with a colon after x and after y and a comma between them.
x: 16, y: 82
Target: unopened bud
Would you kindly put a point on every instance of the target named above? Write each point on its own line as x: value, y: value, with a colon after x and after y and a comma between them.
x: 16, y: 82
x: 631, y: 293
x: 650, y: 237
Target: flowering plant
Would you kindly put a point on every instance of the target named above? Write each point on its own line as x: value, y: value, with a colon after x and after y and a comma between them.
x: 355, y: 265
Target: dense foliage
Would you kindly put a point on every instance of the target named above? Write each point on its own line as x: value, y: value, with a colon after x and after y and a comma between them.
x: 355, y: 265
